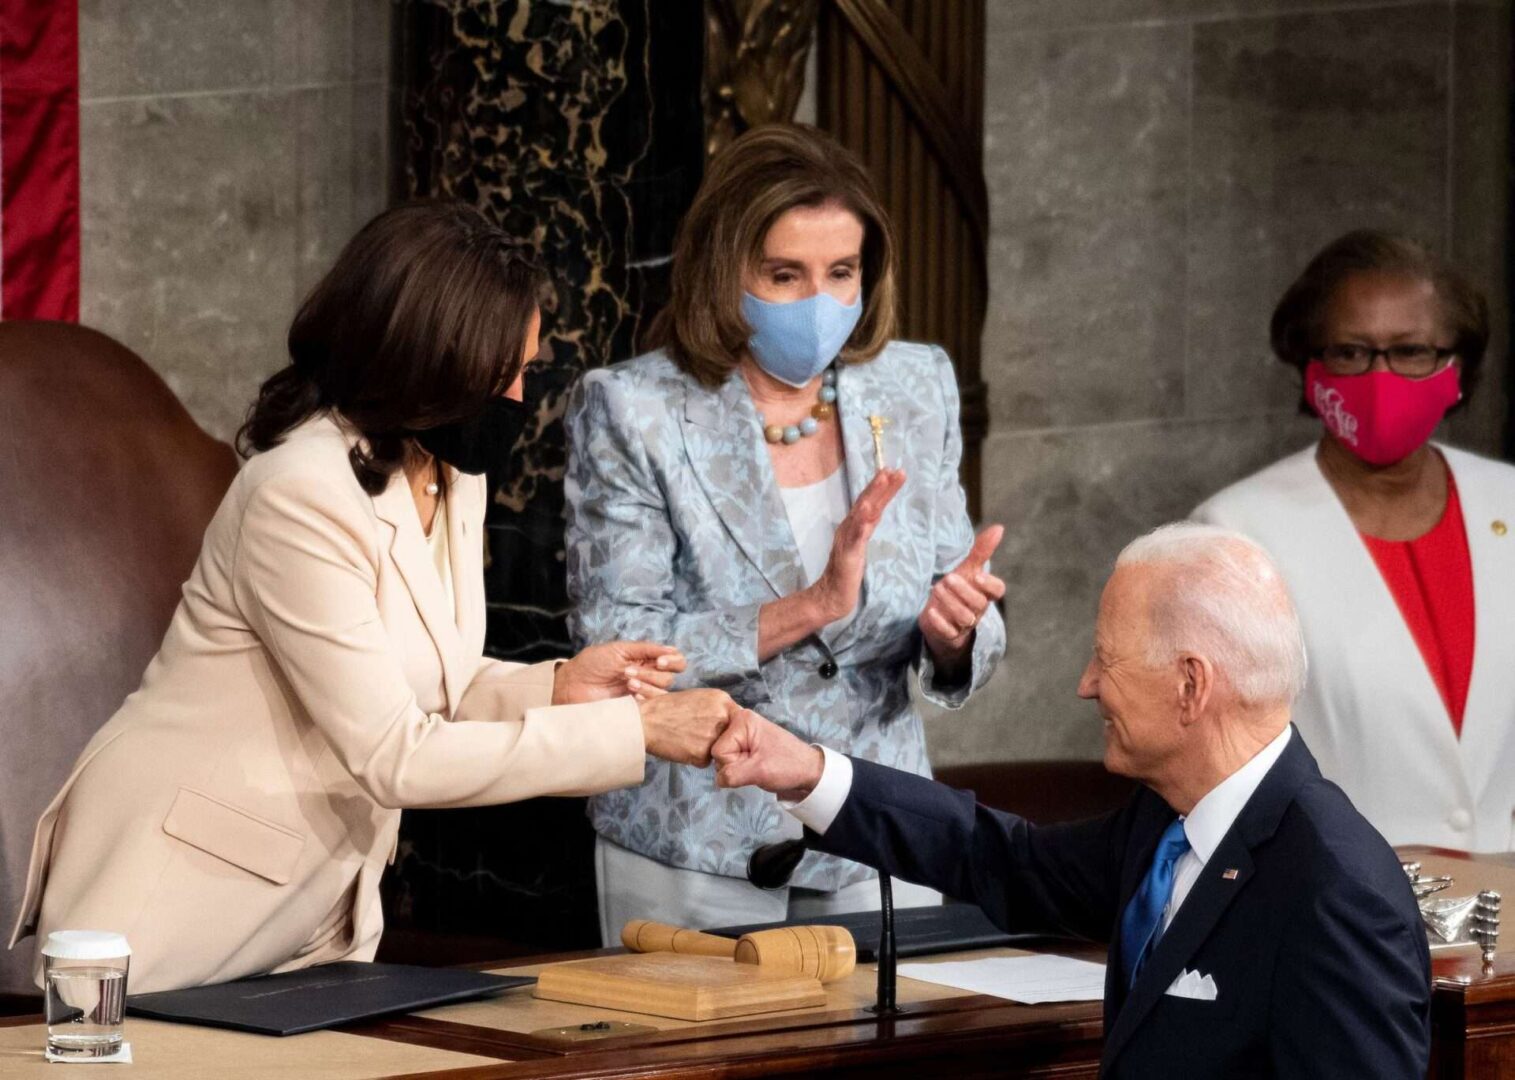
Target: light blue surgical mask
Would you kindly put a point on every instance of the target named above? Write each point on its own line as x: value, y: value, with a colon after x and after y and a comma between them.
x: 796, y: 341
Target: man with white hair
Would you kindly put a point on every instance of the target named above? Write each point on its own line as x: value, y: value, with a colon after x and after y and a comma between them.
x: 1258, y: 925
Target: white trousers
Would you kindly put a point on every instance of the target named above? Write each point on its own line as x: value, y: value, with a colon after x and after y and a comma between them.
x: 632, y: 886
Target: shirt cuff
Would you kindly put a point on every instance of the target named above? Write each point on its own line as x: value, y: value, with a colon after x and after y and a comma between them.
x: 819, y: 809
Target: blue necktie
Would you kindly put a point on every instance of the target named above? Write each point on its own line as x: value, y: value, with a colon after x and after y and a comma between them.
x: 1144, y: 914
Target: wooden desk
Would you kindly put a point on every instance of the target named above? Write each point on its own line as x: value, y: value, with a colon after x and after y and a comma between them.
x: 948, y: 1030
x: 938, y: 1032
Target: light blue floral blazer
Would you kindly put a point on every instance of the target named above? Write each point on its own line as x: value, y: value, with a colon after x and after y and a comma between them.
x: 677, y: 533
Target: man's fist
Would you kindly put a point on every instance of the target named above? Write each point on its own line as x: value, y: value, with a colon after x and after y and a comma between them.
x: 757, y: 752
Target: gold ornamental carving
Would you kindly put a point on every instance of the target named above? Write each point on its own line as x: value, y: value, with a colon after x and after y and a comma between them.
x: 755, y: 52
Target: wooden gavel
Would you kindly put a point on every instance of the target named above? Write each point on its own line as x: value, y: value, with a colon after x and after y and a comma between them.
x: 826, y: 953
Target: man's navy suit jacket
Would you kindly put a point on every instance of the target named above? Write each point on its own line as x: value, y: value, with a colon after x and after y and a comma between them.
x: 1302, y: 916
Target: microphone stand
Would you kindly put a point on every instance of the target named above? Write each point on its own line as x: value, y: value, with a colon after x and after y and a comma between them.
x: 886, y: 951
x: 772, y: 865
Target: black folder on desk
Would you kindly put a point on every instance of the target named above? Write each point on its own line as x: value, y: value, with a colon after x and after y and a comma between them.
x: 918, y: 931
x: 294, y: 1002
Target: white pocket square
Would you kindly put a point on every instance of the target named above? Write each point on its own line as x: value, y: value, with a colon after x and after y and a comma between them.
x: 1193, y: 985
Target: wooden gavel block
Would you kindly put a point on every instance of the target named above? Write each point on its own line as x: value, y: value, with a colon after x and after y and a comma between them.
x: 826, y: 953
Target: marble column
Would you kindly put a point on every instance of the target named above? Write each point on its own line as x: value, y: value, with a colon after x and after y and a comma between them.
x: 579, y: 128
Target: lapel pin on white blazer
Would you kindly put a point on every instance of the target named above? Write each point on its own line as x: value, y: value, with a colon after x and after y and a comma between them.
x: 1499, y: 527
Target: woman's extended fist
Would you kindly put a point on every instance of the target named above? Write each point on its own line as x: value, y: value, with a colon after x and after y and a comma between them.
x: 680, y: 727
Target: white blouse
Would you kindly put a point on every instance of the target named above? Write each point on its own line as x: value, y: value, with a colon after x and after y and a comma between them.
x: 441, y: 556
x: 815, y: 511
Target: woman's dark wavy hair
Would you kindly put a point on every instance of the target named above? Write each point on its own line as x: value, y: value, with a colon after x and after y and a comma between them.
x: 1294, y: 331
x: 421, y: 321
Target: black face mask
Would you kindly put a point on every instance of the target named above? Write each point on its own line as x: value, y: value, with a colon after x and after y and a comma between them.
x: 472, y: 446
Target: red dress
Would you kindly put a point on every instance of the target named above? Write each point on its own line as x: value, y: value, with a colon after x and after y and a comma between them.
x: 1431, y: 578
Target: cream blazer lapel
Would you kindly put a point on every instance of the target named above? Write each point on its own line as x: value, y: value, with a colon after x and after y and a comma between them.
x: 412, y: 558
x: 465, y: 549
x: 1488, y: 730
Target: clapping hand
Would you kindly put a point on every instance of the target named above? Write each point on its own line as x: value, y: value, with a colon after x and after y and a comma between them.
x: 836, y: 590
x: 617, y: 668
x: 958, y: 601
x: 759, y: 752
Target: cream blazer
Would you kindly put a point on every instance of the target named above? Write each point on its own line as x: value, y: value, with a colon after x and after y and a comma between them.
x: 1370, y: 710
x: 236, y: 813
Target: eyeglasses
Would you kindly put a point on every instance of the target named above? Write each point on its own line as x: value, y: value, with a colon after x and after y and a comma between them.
x: 1410, y: 360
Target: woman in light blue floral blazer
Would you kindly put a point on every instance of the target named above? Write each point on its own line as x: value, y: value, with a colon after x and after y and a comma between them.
x: 775, y: 491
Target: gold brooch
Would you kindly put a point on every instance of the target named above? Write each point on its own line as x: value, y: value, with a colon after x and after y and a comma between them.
x: 876, y: 425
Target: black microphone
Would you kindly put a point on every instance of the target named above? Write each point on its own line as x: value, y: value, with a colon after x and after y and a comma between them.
x: 772, y: 865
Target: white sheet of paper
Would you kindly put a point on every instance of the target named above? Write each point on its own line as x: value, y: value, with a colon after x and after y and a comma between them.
x: 1032, y: 980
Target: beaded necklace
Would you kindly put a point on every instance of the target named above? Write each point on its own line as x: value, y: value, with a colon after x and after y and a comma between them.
x: 822, y: 410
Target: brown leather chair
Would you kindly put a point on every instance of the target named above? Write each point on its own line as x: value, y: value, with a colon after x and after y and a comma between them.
x: 106, y: 486
x: 1046, y: 792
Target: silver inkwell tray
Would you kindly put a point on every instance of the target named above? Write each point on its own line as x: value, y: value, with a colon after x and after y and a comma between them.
x: 1457, y: 920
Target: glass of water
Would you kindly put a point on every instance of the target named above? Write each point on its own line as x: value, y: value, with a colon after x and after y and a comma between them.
x: 85, y: 974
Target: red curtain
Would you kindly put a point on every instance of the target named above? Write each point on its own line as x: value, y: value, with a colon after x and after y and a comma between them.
x: 39, y: 159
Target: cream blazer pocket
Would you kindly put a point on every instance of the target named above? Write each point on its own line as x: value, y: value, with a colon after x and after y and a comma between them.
x: 242, y: 839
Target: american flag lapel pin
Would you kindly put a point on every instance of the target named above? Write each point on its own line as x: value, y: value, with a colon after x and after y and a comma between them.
x: 1230, y: 874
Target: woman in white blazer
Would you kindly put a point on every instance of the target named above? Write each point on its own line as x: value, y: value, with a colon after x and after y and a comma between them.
x: 325, y: 666
x: 1398, y: 550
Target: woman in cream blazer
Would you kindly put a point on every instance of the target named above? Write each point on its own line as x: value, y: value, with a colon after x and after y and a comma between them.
x: 325, y: 666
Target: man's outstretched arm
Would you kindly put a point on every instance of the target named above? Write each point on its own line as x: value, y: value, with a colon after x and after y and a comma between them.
x: 1061, y: 878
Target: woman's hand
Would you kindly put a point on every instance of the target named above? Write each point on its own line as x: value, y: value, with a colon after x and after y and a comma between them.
x: 616, y: 669
x: 681, y: 727
x: 959, y: 600
x: 835, y: 592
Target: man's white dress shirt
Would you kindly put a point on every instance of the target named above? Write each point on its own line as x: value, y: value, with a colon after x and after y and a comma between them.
x: 1206, y: 826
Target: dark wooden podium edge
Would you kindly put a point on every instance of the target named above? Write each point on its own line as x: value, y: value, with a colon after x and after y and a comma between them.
x: 519, y: 1046
x: 897, y: 1045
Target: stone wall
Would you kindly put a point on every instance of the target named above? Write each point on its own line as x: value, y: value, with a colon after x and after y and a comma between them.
x: 229, y: 148
x: 1159, y: 170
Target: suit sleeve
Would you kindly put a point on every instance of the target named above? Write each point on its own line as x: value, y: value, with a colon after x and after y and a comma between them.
x: 1062, y: 879
x: 621, y: 545
x: 954, y: 538
x: 1353, y: 990
x: 305, y: 578
x: 501, y: 690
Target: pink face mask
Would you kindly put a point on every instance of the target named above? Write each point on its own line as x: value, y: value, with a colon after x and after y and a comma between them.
x: 1380, y: 416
